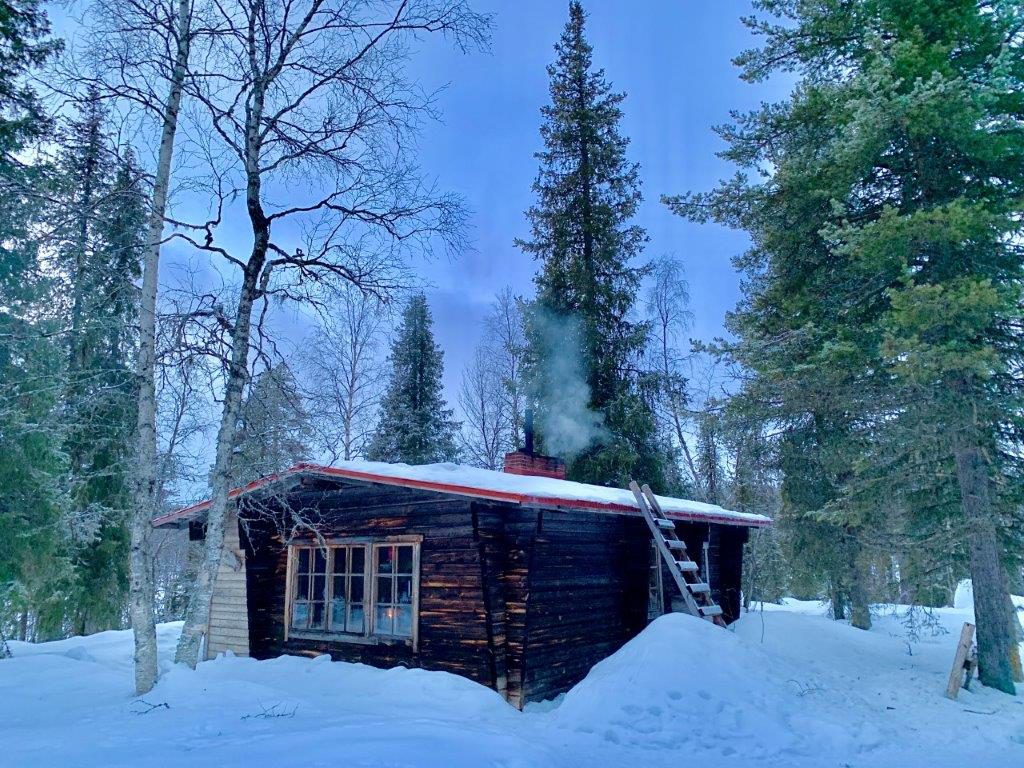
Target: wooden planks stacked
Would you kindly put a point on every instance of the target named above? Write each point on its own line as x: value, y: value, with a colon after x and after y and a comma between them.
x: 229, y: 619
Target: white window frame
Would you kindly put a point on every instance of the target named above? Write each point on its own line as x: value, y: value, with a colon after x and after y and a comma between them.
x: 369, y: 635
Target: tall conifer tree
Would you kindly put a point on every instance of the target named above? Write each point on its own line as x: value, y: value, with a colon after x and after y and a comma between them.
x: 101, y: 215
x: 881, y: 314
x: 581, y: 232
x: 34, y: 571
x: 416, y: 425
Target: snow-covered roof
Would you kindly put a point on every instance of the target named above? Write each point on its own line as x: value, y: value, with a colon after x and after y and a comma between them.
x: 525, y: 490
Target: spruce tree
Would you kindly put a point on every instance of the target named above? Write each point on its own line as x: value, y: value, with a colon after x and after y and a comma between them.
x: 416, y: 425
x: 581, y: 232
x: 101, y: 224
x: 881, y: 313
x: 35, y: 573
x: 275, y: 429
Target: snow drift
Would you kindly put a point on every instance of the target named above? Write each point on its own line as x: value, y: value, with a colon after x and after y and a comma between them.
x: 788, y: 687
x: 684, y: 683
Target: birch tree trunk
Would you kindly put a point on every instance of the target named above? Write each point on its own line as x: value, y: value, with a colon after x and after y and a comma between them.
x: 197, y: 616
x: 254, y: 282
x: 991, y: 592
x: 141, y: 589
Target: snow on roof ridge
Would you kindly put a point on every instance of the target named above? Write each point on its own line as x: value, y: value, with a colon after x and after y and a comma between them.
x: 459, y: 479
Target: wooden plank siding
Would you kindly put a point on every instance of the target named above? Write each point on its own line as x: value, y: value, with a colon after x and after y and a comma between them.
x: 229, y: 617
x: 523, y: 600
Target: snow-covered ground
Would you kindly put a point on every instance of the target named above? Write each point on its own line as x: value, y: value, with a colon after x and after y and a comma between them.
x: 788, y: 687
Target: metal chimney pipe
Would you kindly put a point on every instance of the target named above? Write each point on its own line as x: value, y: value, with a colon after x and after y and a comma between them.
x: 528, y: 431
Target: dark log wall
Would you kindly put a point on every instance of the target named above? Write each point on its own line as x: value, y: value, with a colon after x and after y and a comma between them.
x: 582, y: 578
x: 576, y: 590
x: 724, y: 567
x: 525, y: 601
x: 456, y: 631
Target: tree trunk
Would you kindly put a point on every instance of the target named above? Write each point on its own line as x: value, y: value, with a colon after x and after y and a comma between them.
x: 995, y: 635
x: 838, y: 600
x: 254, y: 282
x: 857, y: 593
x: 145, y: 495
x: 197, y: 616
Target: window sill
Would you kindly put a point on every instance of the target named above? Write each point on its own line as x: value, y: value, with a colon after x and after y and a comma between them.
x: 353, y: 639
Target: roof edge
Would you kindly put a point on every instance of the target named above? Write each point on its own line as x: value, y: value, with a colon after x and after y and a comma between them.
x: 512, y: 497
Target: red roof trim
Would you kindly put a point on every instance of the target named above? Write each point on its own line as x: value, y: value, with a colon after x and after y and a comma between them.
x: 458, y: 490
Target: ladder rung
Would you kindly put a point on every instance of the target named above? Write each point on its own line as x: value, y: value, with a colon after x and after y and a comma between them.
x: 699, y: 587
x: 710, y: 610
x: 675, y: 543
x: 667, y: 525
x: 687, y: 565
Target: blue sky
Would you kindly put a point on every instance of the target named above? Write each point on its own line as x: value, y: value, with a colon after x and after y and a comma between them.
x: 673, y: 60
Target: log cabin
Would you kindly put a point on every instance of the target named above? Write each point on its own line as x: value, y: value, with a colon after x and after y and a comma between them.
x: 520, y: 580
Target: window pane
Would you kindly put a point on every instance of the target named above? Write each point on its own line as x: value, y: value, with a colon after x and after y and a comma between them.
x: 302, y: 587
x: 338, y: 614
x: 339, y: 588
x: 319, y: 561
x: 317, y: 616
x: 300, y: 615
x: 358, y: 559
x: 384, y: 589
x: 383, y: 620
x: 403, y: 620
x: 341, y: 559
x: 404, y: 560
x: 303, y: 561
x: 385, y: 559
x: 404, y: 589
x: 356, y: 590
x: 319, y: 584
x: 355, y: 619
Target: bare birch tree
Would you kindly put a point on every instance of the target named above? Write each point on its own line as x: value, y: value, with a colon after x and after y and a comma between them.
x: 669, y: 315
x: 344, y: 368
x: 138, y: 54
x: 486, y: 428
x: 506, y: 334
x: 309, y: 102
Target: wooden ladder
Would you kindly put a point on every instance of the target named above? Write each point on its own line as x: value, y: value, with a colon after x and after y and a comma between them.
x: 695, y: 592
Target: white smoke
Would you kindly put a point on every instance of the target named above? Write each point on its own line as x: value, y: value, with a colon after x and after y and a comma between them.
x: 566, y: 420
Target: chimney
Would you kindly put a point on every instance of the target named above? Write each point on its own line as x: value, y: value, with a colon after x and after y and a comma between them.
x: 526, y: 461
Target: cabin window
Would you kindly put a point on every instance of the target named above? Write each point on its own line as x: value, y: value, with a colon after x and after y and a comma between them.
x: 392, y: 569
x: 348, y: 590
x: 310, y: 599
x: 358, y: 590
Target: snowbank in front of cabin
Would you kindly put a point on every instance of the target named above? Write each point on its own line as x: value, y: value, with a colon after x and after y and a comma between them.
x: 686, y: 684
x: 786, y: 687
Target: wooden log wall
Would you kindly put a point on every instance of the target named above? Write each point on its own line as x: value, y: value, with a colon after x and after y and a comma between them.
x: 457, y: 633
x: 523, y: 600
x: 576, y: 590
x: 229, y: 620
